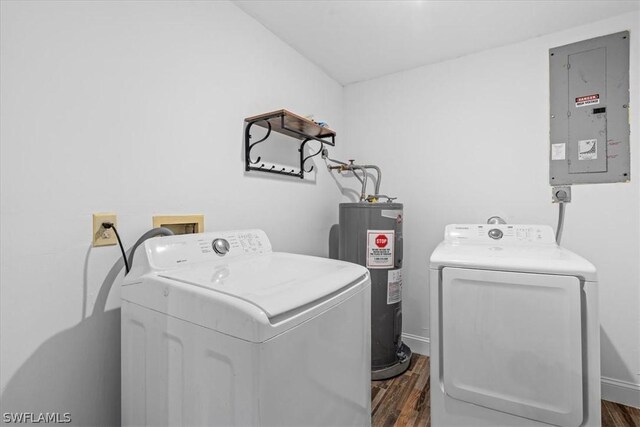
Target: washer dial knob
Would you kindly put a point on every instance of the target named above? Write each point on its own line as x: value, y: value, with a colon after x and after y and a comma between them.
x: 220, y: 246
x: 495, y: 233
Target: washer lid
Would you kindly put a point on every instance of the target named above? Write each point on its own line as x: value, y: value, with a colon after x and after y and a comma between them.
x: 523, y: 248
x: 274, y: 282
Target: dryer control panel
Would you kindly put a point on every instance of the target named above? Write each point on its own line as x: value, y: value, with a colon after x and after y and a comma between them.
x: 174, y: 251
x: 502, y: 233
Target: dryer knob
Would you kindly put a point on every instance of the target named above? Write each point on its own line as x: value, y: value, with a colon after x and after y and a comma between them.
x: 220, y: 246
x: 495, y: 233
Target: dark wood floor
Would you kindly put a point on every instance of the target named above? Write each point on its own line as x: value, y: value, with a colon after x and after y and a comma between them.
x: 404, y: 401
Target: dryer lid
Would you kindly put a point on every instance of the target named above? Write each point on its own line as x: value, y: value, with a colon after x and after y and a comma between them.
x: 274, y: 282
x: 521, y: 248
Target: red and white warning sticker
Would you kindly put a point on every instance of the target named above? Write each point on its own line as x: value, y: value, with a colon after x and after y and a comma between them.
x: 583, y: 101
x: 380, y: 248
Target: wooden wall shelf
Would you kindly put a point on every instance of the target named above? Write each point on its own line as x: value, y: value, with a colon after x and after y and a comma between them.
x: 289, y: 124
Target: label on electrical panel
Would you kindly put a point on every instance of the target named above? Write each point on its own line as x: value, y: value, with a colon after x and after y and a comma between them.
x: 588, y: 149
x: 558, y: 151
x: 394, y: 286
x: 380, y: 248
x: 583, y: 101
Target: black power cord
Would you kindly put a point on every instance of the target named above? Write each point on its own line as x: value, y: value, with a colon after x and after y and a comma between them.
x: 107, y: 226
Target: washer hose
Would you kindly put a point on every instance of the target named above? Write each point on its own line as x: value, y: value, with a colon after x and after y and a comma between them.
x: 160, y: 231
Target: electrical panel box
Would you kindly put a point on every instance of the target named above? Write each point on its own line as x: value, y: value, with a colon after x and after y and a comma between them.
x: 589, y: 99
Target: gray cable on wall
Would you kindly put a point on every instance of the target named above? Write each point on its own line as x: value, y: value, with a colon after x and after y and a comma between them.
x: 560, y: 222
x: 105, y: 288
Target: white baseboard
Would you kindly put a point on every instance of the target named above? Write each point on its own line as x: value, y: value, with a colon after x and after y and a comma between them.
x: 623, y: 392
x: 416, y: 343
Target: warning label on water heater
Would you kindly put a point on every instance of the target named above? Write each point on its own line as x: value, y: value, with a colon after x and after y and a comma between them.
x: 380, y: 248
x: 394, y: 286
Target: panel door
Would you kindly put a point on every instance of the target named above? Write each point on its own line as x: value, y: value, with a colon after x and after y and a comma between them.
x: 587, y: 95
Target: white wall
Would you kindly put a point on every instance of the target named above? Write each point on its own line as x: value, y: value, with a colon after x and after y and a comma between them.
x: 135, y: 108
x: 156, y: 93
x: 465, y: 139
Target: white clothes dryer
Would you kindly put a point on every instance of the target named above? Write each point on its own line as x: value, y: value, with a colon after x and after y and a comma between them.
x: 515, y: 337
x: 218, y: 330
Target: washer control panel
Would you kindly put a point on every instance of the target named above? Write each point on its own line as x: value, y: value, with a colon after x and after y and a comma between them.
x: 503, y: 233
x: 173, y: 251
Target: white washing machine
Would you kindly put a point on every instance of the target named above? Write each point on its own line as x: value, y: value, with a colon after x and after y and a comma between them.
x: 219, y: 330
x: 515, y: 337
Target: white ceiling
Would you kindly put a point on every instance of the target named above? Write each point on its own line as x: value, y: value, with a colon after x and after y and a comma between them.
x: 359, y: 40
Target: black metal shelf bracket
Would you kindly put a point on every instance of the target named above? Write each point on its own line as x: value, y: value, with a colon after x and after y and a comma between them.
x: 249, y: 146
x: 303, y: 159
